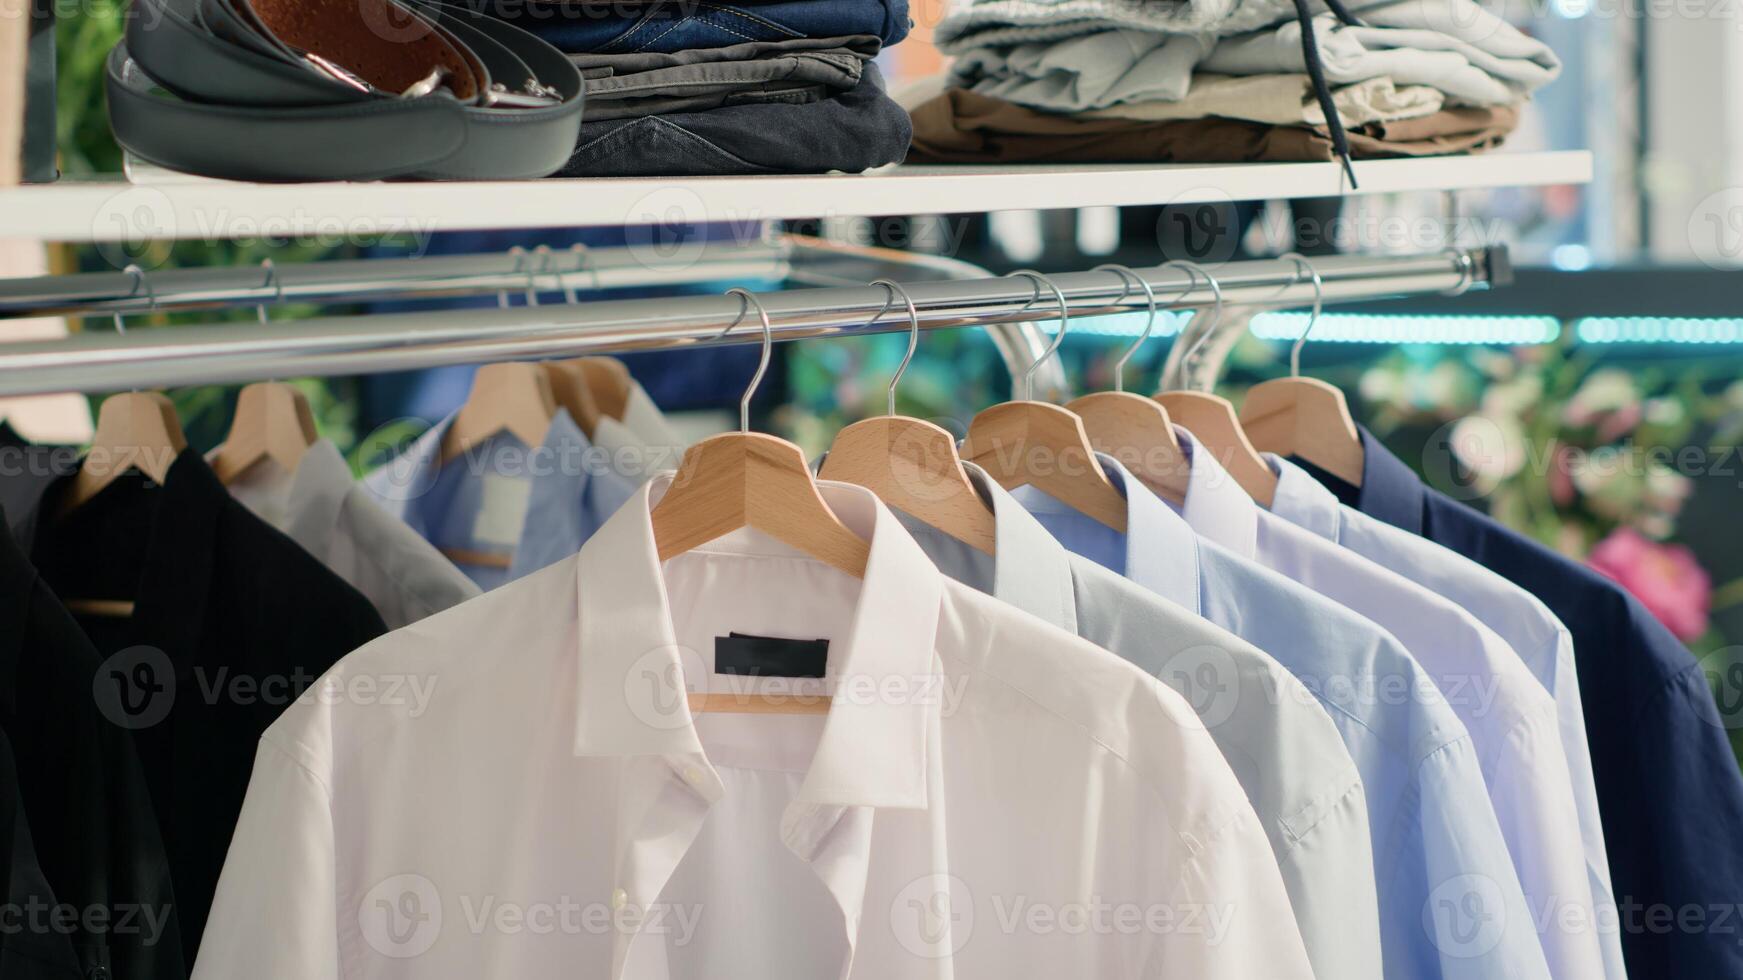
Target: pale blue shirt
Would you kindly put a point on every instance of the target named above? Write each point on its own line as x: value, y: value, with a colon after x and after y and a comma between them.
x: 1510, y: 717
x: 1275, y: 735
x: 1519, y: 617
x: 1450, y: 902
x: 532, y: 505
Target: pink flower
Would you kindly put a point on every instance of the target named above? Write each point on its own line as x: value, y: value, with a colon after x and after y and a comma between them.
x: 1664, y: 577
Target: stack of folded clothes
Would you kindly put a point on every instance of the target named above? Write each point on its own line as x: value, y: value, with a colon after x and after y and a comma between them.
x: 704, y: 87
x: 1215, y: 81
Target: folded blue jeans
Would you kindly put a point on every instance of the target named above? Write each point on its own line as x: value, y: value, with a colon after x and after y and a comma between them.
x: 648, y: 84
x: 856, y: 130
x: 680, y: 25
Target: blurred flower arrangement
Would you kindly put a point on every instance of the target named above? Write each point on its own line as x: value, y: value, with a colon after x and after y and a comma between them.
x: 1592, y: 460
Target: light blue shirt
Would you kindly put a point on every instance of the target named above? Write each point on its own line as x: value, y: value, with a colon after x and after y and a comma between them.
x: 1277, y: 738
x: 1450, y: 901
x: 532, y: 506
x: 1520, y: 618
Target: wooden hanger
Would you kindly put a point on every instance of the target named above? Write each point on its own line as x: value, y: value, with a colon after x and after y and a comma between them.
x: 513, y: 397
x: 136, y: 430
x: 604, y: 384
x: 571, y: 391
x: 912, y: 464
x: 1212, y: 420
x: 1044, y: 446
x: 273, y: 421
x: 749, y: 479
x: 1305, y: 417
x: 1133, y: 429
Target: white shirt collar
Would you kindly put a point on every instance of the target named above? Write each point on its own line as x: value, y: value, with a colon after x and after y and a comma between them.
x: 304, y: 503
x: 1303, y: 501
x: 871, y: 754
x: 643, y: 429
x: 1031, y: 570
x: 1216, y: 506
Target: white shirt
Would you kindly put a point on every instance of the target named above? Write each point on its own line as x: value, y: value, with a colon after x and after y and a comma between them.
x: 643, y: 442
x: 1519, y: 617
x: 988, y: 796
x: 1511, y: 718
x: 319, y: 507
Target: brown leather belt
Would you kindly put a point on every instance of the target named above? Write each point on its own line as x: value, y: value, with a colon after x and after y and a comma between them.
x: 292, y: 90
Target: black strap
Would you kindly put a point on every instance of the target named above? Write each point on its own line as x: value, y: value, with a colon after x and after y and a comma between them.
x: 1340, y: 141
x: 182, y: 97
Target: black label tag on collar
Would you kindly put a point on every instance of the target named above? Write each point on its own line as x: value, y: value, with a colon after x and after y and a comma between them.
x: 770, y: 656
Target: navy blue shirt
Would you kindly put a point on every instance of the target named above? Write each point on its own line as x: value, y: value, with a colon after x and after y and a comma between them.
x: 1669, y: 790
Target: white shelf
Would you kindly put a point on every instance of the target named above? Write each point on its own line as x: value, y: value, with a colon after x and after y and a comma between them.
x: 172, y: 206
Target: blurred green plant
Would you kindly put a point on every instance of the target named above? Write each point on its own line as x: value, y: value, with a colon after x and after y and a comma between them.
x: 85, y: 34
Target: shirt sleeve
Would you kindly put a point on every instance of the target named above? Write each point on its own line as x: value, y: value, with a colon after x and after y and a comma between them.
x: 1678, y: 920
x: 1231, y: 918
x: 1329, y: 870
x: 275, y: 915
x: 1464, y: 914
x: 1533, y: 796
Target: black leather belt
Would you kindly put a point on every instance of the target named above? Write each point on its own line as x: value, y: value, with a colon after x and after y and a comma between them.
x: 295, y: 90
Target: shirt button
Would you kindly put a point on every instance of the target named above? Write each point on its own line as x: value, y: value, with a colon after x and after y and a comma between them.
x: 619, y: 898
x: 693, y: 775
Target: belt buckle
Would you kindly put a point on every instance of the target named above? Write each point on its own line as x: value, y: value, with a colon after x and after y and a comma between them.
x: 533, y: 95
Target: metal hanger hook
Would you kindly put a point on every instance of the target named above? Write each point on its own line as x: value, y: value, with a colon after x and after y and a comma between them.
x: 583, y: 263
x: 1318, y: 304
x: 547, y: 267
x: 520, y: 264
x: 273, y: 281
x: 1216, y: 310
x: 1064, y: 325
x: 139, y: 282
x: 1467, y: 271
x: 746, y: 301
x: 895, y: 290
x: 1127, y: 277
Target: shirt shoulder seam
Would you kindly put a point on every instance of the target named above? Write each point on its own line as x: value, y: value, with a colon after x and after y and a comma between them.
x: 293, y: 753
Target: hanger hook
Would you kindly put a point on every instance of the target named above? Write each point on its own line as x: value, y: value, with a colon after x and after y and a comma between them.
x: 532, y: 283
x: 1318, y: 304
x: 1467, y: 272
x: 1216, y: 311
x: 1064, y: 324
x: 139, y: 282
x: 270, y: 280
x: 746, y: 301
x: 1127, y: 277
x: 584, y: 263
x: 895, y: 290
x: 520, y: 261
x: 547, y: 266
